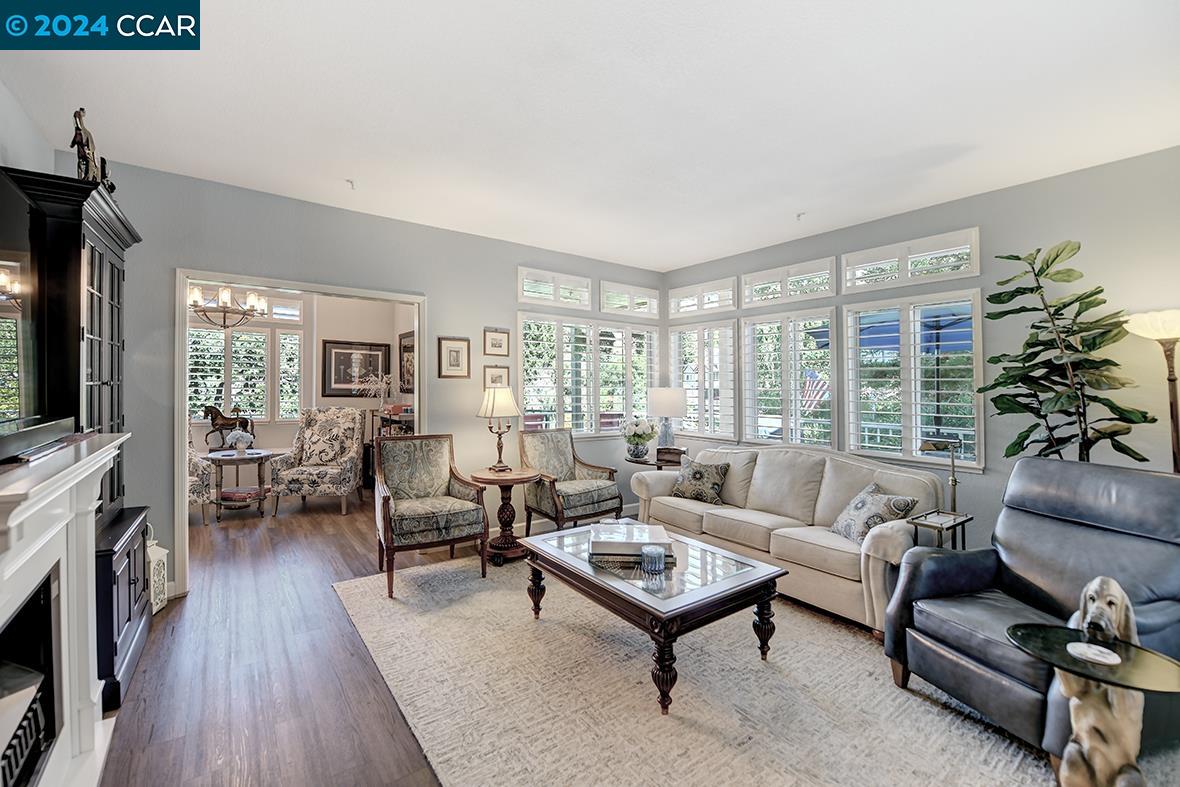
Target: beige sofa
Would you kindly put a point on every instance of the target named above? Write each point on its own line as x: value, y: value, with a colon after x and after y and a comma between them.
x: 778, y: 504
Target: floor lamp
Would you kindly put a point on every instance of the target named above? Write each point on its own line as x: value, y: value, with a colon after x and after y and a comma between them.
x: 1164, y: 327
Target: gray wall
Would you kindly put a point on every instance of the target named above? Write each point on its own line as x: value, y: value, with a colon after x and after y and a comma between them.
x: 469, y: 283
x: 21, y: 142
x: 1127, y: 216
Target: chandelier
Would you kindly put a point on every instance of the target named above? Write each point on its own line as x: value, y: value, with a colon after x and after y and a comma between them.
x: 9, y: 289
x: 225, y: 311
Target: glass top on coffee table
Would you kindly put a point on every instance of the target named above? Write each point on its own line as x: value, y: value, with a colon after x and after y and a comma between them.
x: 701, y: 571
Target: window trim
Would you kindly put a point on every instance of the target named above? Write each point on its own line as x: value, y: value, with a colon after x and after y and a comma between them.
x: 783, y: 274
x: 905, y: 307
x: 595, y: 327
x: 557, y: 279
x: 902, y: 252
x: 747, y: 369
x: 737, y: 364
x: 698, y: 291
x: 630, y: 290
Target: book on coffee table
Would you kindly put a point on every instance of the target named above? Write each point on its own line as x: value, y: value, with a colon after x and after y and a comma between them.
x: 625, y: 539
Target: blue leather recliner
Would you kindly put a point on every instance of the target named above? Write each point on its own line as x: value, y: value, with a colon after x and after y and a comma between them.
x: 1062, y: 524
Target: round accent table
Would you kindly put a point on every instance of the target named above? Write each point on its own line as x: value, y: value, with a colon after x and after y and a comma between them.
x: 242, y: 497
x: 1139, y: 668
x: 505, y: 546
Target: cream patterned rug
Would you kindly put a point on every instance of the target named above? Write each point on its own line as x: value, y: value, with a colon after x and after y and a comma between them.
x: 496, y: 697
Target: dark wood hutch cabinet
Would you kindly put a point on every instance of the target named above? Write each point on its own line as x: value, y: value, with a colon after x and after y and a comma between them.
x: 80, y: 240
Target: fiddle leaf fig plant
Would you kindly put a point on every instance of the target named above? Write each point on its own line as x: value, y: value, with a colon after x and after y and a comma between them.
x: 1056, y: 378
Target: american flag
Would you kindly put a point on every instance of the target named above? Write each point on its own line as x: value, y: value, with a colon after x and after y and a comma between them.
x: 814, y: 392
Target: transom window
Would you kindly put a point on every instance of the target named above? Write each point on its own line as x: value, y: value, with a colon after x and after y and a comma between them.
x: 951, y: 255
x: 788, y: 378
x: 798, y: 282
x: 630, y: 300
x: 710, y: 296
x: 554, y: 289
x: 913, y: 367
x: 583, y: 375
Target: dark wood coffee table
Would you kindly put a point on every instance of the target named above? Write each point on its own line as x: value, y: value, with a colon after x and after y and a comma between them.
x: 706, y: 584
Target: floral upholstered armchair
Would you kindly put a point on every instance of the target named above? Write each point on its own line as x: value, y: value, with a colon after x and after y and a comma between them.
x: 569, y: 489
x: 200, y: 479
x: 325, y: 459
x: 422, y: 501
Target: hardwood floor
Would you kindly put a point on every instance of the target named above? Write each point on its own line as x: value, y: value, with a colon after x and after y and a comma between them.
x: 258, y: 677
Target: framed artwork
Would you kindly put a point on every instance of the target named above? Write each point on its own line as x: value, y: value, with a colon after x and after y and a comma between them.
x: 454, y: 357
x: 405, y: 361
x: 346, y: 364
x: 495, y: 342
x: 495, y: 376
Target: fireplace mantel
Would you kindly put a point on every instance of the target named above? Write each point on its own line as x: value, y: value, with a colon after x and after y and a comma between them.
x: 47, y: 512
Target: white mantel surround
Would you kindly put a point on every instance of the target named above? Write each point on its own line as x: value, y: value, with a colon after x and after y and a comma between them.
x: 47, y: 520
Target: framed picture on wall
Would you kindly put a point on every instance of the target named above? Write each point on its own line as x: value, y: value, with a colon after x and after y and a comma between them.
x: 454, y: 357
x: 495, y: 342
x: 406, y: 343
x: 346, y: 364
x: 495, y: 377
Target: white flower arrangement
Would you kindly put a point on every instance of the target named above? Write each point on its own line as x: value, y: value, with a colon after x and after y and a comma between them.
x: 638, y: 431
x: 239, y: 439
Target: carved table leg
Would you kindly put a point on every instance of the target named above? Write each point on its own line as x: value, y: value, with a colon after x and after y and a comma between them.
x: 536, y: 589
x: 663, y: 671
x: 763, y: 625
x: 505, y: 546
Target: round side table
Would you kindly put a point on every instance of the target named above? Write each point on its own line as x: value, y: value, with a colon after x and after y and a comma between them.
x: 250, y: 494
x: 505, y: 546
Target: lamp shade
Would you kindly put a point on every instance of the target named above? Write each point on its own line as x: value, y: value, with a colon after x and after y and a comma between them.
x: 498, y: 403
x: 1155, y: 325
x: 667, y: 402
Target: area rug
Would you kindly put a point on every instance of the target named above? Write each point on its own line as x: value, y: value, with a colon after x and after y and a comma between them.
x: 496, y: 697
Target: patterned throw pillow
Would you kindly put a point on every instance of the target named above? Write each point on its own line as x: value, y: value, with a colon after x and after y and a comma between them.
x: 868, y: 509
x: 699, y: 481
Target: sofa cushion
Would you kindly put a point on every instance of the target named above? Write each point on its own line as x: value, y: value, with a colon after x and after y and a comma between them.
x: 746, y: 525
x: 977, y: 624
x: 681, y: 512
x: 741, y: 470
x: 818, y: 548
x: 844, y: 477
x: 700, y: 481
x: 786, y: 482
x: 870, y: 508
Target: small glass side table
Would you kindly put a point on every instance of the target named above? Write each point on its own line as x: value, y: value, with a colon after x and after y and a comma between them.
x: 942, y: 522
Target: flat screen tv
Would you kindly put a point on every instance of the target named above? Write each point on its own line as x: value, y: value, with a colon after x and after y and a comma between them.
x: 22, y: 422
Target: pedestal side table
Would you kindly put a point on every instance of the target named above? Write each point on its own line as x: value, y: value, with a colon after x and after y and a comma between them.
x: 505, y: 546
x: 245, y: 496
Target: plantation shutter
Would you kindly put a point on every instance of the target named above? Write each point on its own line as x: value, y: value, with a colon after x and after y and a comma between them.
x: 538, y: 386
x: 289, y: 371
x: 249, y: 352
x: 577, y: 377
x: 206, y: 370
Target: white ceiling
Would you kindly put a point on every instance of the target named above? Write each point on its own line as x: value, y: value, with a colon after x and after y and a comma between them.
x: 652, y: 133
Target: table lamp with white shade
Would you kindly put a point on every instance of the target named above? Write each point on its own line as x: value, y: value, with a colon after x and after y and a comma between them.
x: 666, y: 404
x: 1164, y: 327
x: 498, y: 405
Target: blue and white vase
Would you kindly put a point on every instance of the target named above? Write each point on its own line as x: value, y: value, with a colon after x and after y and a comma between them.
x: 637, y: 450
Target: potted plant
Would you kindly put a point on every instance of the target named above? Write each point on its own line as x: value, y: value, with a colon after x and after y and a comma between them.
x: 638, y: 432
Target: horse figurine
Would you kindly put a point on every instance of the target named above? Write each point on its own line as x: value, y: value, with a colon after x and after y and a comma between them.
x: 222, y: 423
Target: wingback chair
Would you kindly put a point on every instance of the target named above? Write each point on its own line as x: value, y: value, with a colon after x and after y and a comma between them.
x: 200, y: 479
x: 422, y: 501
x: 1062, y: 524
x: 325, y: 458
x: 569, y: 489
